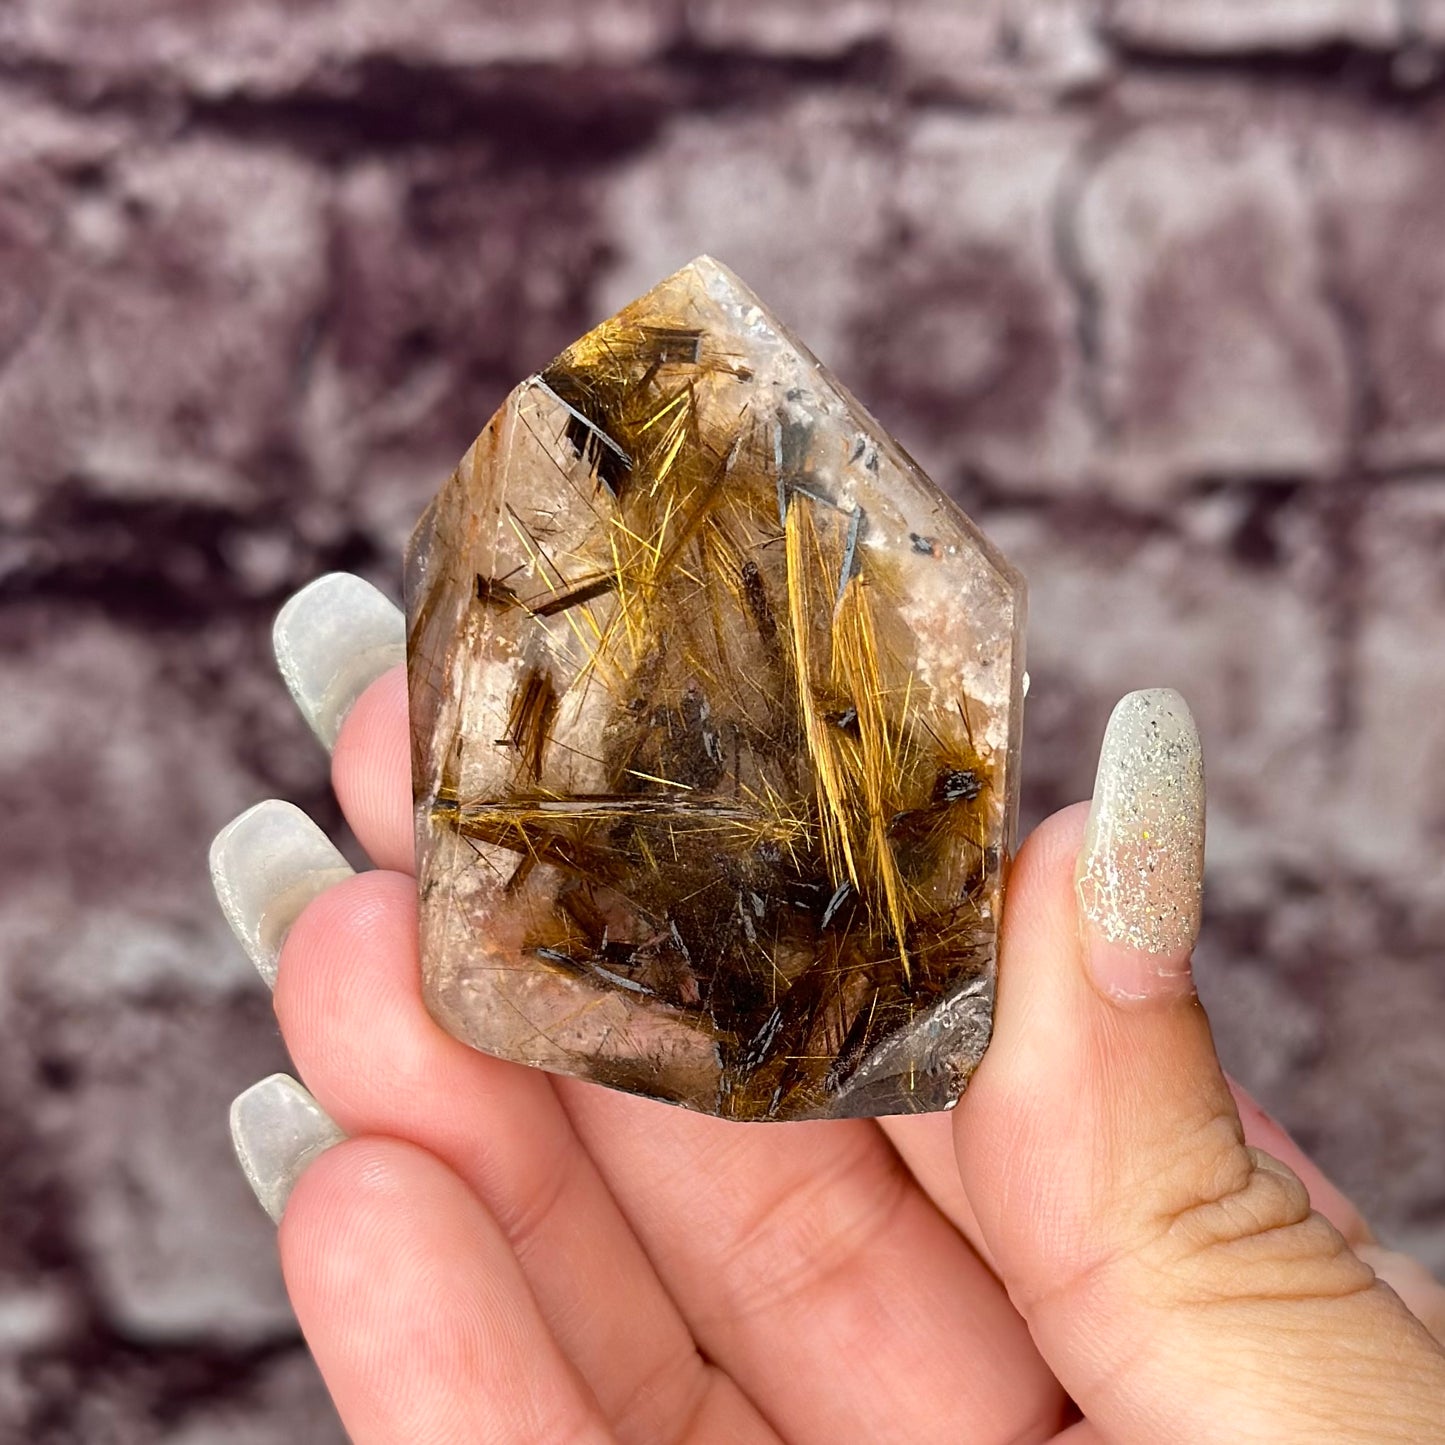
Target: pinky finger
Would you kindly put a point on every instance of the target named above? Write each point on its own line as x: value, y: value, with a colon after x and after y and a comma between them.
x: 416, y: 1309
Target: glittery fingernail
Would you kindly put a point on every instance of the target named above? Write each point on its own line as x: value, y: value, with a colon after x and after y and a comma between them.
x: 333, y: 639
x: 1141, y: 871
x: 266, y: 866
x: 277, y: 1129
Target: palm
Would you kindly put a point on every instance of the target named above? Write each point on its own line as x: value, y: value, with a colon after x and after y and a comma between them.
x: 696, y: 1279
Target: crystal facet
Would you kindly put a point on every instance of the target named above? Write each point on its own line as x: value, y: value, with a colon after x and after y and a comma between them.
x: 715, y: 711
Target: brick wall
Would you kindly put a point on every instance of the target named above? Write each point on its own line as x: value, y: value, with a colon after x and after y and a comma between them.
x: 1156, y: 288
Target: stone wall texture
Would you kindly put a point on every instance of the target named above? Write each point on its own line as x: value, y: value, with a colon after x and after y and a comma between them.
x: 1155, y: 287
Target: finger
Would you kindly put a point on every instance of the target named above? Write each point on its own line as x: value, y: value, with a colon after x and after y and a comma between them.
x: 854, y: 1263
x: 411, y: 1301
x: 332, y: 640
x: 811, y: 1267
x: 1175, y: 1278
x: 266, y: 866
x: 416, y: 1310
x: 341, y: 647
x: 925, y: 1144
x: 277, y: 1129
x: 351, y: 1011
x: 371, y: 773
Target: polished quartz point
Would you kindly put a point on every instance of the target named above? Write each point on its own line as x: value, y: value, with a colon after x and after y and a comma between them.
x: 715, y: 713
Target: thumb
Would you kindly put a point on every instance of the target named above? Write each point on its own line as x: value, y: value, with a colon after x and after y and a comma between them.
x: 1174, y: 1278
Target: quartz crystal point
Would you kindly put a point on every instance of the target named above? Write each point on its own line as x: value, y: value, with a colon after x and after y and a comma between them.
x: 715, y: 712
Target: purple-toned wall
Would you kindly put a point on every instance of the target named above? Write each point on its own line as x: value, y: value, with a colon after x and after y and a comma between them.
x: 1156, y: 288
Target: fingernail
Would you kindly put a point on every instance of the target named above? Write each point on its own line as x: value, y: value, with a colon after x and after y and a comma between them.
x: 266, y: 866
x: 277, y: 1129
x: 333, y: 639
x: 1141, y: 872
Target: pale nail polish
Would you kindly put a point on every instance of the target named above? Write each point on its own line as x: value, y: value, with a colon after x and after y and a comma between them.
x: 333, y: 639
x: 1141, y: 871
x: 266, y: 866
x: 277, y: 1129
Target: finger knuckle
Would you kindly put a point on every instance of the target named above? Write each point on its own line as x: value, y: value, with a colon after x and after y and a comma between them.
x: 1250, y: 1231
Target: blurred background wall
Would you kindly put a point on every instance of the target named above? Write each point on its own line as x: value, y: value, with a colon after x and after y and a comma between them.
x: 1156, y: 288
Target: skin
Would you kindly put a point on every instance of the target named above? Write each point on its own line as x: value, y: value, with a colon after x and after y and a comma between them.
x: 1100, y: 1243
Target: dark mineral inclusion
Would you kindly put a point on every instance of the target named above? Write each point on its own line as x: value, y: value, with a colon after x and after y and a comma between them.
x: 715, y: 712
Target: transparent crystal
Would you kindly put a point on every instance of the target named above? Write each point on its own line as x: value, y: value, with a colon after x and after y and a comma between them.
x: 715, y: 709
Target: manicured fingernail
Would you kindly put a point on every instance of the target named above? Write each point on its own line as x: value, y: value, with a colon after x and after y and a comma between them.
x: 266, y: 866
x: 277, y: 1129
x: 1141, y: 872
x: 333, y: 639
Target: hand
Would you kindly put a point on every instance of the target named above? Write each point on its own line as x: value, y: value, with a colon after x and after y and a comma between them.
x: 477, y: 1251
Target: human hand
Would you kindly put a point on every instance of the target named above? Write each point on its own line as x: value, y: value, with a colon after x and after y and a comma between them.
x: 478, y: 1251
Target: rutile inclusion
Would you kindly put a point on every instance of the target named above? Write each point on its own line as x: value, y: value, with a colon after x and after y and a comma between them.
x: 715, y: 714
